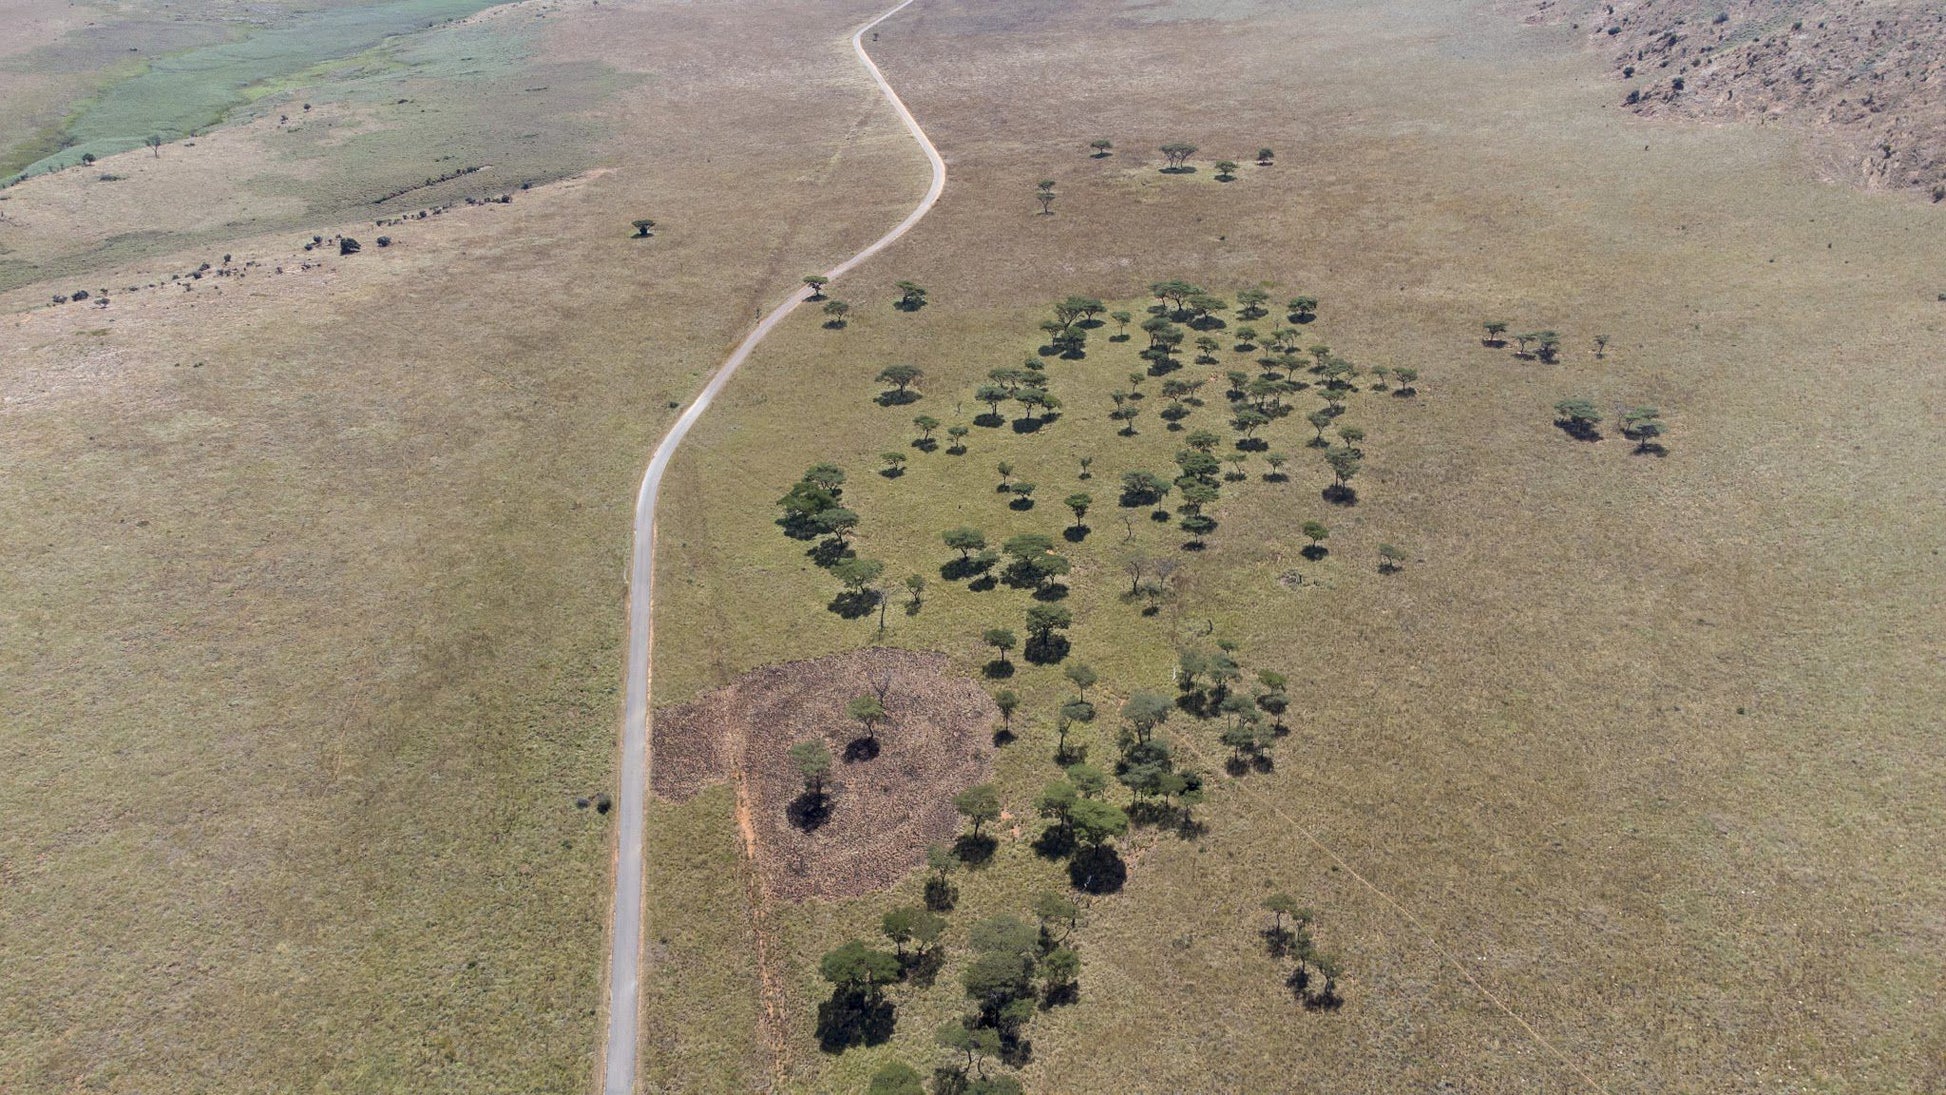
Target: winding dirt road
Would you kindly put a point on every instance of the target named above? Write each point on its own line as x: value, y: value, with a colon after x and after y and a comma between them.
x: 625, y: 939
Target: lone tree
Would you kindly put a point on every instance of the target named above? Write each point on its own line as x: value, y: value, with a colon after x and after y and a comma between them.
x: 1265, y: 156
x: 1102, y: 146
x: 1226, y: 170
x: 1601, y: 345
x: 1178, y: 153
x: 837, y: 310
x: 901, y: 377
x: 1643, y: 425
x: 911, y: 297
x: 1578, y: 417
x: 644, y: 227
x: 1390, y: 559
x: 1081, y: 675
x: 1495, y: 328
x: 1008, y: 703
x: 816, y: 282
x: 1344, y: 463
x: 964, y: 540
x: 869, y: 712
x: 154, y: 141
x: 1044, y: 193
x: 940, y: 891
x: 1317, y: 534
x: 1001, y: 640
x: 979, y: 805
x: 813, y: 762
x: 1079, y: 503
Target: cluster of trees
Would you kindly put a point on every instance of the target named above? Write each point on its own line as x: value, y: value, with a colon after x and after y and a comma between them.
x: 1025, y: 384
x: 1544, y: 344
x: 1314, y: 974
x: 1581, y: 420
x: 1177, y: 154
x: 814, y: 510
x: 1015, y: 968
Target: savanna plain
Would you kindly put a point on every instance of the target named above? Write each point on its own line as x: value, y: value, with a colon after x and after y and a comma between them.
x: 1386, y: 704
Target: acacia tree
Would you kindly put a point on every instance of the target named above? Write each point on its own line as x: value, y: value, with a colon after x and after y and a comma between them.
x: 1578, y: 417
x: 813, y: 762
x: 1102, y: 146
x: 900, y: 376
x: 1643, y: 425
x: 1044, y: 193
x: 1178, y: 153
x: 964, y: 540
x: 643, y: 227
x: 1494, y: 328
x: 1079, y: 503
x: 958, y: 435
x: 1265, y: 156
x: 816, y: 283
x: 1317, y: 533
x: 1250, y: 305
x: 1008, y: 703
x: 1303, y: 309
x: 837, y: 310
x: 1390, y: 559
x: 1548, y: 346
x: 1226, y: 170
x: 154, y: 141
x: 979, y: 805
x: 1001, y: 640
x: 868, y: 712
x: 1601, y: 345
x: 1344, y: 464
x: 911, y: 296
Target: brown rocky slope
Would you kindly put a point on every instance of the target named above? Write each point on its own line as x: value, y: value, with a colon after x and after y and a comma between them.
x: 1866, y: 79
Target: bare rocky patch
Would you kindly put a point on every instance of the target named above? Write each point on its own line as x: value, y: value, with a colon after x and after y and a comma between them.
x: 884, y: 808
x: 1868, y: 82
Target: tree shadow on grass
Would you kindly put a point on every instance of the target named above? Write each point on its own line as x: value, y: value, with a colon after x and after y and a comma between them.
x: 997, y: 670
x: 989, y: 421
x: 1098, y: 870
x: 1577, y: 429
x: 854, y: 604
x: 1314, y: 552
x: 975, y: 851
x: 1340, y: 495
x: 1055, y: 842
x: 896, y: 398
x: 854, y: 1019
x: 828, y: 552
x: 1048, y: 651
x: 859, y: 750
x: 1074, y: 534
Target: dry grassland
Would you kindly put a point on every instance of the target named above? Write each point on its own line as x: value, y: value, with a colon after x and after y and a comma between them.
x: 1649, y: 747
x: 311, y: 620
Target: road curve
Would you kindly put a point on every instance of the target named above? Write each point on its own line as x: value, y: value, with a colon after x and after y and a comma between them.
x: 625, y: 940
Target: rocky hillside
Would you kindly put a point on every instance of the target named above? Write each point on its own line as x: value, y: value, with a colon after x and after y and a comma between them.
x: 1866, y: 78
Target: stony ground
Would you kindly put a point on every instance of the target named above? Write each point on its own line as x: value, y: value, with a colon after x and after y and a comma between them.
x: 1867, y: 81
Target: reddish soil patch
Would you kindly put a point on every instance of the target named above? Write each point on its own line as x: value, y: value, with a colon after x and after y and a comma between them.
x: 884, y: 811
